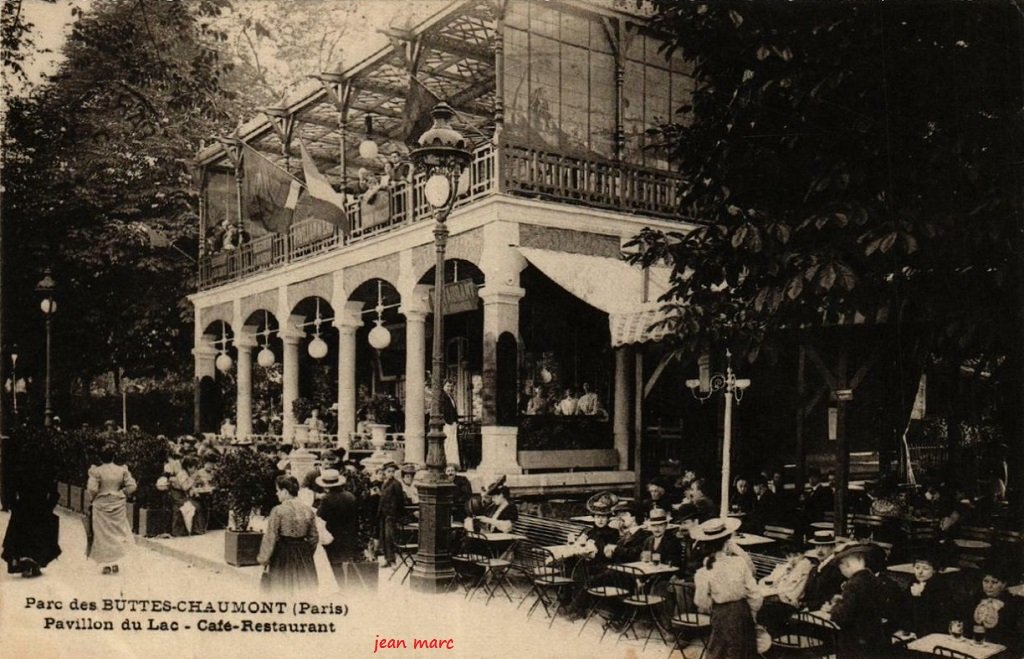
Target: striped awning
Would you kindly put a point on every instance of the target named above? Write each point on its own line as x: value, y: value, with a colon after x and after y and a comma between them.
x: 628, y: 294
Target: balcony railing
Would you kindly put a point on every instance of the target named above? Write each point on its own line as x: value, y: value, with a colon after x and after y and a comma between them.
x: 522, y: 172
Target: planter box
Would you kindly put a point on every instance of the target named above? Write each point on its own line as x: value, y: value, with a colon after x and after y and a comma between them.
x: 242, y: 547
x: 154, y: 521
x: 359, y: 576
x: 63, y: 498
x: 75, y: 494
x: 133, y: 515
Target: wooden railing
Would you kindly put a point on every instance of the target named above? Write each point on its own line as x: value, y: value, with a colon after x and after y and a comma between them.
x: 520, y: 171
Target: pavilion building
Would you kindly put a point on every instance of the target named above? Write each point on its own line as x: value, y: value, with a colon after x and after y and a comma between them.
x: 557, y: 97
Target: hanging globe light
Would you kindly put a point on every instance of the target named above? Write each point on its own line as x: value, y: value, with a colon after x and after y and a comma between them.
x: 368, y: 148
x: 380, y: 337
x: 265, y: 358
x: 317, y: 348
x: 223, y: 362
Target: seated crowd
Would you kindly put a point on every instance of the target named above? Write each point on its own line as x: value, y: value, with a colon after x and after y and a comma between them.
x: 877, y: 597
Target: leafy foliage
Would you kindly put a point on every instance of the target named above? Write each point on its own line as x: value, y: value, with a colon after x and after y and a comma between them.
x: 98, y: 184
x: 247, y: 479
x: 846, y: 161
x: 145, y: 456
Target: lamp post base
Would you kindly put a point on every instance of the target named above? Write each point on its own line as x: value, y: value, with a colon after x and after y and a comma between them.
x: 433, y: 572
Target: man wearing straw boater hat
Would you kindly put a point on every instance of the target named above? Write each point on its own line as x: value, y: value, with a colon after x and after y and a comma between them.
x: 340, y: 513
x: 665, y: 545
x: 859, y: 609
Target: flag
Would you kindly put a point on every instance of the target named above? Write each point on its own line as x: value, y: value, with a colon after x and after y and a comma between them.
x: 328, y: 204
x: 418, y: 104
x: 266, y: 190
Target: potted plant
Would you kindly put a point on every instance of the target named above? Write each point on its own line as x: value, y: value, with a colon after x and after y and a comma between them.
x: 362, y: 571
x: 377, y: 409
x: 302, y: 408
x: 247, y: 480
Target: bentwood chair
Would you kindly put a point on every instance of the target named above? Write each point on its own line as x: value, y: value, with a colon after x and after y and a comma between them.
x: 812, y: 636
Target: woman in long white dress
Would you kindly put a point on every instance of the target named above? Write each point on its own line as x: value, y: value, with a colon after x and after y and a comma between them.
x: 109, y: 486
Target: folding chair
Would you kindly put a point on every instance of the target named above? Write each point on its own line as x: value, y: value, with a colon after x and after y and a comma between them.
x: 466, y: 563
x: 546, y: 577
x: 942, y: 651
x: 605, y: 589
x: 687, y: 620
x: 495, y: 570
x: 406, y: 546
x: 641, y: 600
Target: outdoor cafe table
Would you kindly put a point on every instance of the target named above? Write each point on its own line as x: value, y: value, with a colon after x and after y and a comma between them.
x: 562, y: 552
x: 965, y: 543
x: 647, y: 569
x: 751, y: 539
x: 927, y: 644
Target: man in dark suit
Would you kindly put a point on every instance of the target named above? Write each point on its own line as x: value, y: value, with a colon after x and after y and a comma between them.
x: 764, y: 507
x: 392, y: 507
x: 340, y: 513
x: 859, y: 609
x: 817, y: 499
x: 666, y: 545
x: 631, y: 535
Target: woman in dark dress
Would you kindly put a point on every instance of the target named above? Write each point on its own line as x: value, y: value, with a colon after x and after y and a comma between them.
x: 31, y: 540
x: 288, y: 543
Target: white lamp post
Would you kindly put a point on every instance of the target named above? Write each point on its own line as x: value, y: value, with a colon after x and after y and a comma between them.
x: 702, y: 388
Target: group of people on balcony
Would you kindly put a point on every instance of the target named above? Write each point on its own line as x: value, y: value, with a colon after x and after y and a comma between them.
x: 538, y: 399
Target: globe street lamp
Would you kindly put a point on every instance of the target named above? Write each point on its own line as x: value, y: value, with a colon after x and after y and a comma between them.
x: 47, y: 287
x: 442, y: 154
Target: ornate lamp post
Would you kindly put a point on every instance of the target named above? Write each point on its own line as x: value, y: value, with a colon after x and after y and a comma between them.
x: 702, y: 388
x: 47, y: 287
x: 442, y: 153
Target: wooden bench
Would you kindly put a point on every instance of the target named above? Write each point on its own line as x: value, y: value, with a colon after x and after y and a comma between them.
x: 764, y: 564
x: 546, y: 531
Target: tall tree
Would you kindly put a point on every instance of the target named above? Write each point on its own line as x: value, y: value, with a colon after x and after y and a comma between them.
x: 850, y: 160
x: 98, y: 185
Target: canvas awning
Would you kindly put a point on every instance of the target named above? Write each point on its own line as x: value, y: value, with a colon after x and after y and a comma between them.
x: 628, y: 294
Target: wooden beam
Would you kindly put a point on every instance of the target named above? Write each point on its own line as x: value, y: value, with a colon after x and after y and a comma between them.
x: 638, y: 421
x: 449, y: 45
x: 823, y: 369
x: 653, y: 380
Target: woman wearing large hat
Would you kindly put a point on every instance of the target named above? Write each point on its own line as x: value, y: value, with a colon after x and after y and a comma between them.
x: 725, y: 586
x: 600, y: 534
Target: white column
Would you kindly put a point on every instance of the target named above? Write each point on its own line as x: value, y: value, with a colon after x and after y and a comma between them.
x: 620, y: 412
x: 205, y: 355
x: 243, y: 424
x: 290, y: 364
x: 415, y: 384
x: 498, y: 443
x: 348, y: 319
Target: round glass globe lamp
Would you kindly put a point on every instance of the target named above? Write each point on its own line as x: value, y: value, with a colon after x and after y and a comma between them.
x: 317, y: 348
x: 224, y: 362
x: 380, y: 337
x: 265, y: 358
